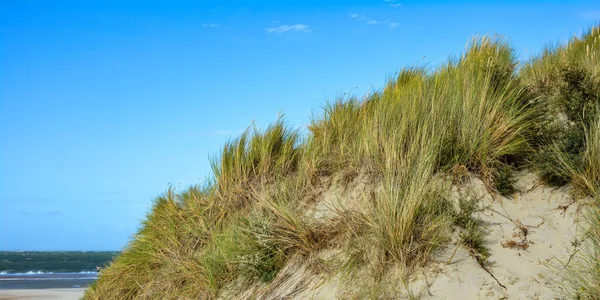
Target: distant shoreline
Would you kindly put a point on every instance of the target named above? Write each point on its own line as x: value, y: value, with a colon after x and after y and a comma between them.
x: 67, y: 294
x: 41, y: 270
x: 46, y: 281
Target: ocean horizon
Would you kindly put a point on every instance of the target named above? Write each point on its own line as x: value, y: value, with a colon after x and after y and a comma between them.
x: 51, y: 269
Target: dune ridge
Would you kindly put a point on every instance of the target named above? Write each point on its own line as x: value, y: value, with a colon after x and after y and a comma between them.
x: 477, y: 178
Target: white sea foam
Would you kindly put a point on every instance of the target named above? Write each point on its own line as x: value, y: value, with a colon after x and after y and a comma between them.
x: 37, y: 276
x: 54, y: 278
x: 32, y: 273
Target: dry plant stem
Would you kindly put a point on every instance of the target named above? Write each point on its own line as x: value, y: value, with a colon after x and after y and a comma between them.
x: 565, y: 207
x: 490, y: 272
x: 501, y: 214
x: 517, y: 222
x: 570, y: 257
x: 453, y: 253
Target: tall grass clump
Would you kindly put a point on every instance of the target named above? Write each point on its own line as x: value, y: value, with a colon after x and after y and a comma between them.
x: 162, y: 259
x: 565, y: 83
x: 475, y: 104
x: 278, y: 229
x: 333, y: 143
x: 255, y: 157
x: 489, y: 120
x: 189, y: 245
x: 583, y: 275
x: 471, y: 112
x: 407, y: 218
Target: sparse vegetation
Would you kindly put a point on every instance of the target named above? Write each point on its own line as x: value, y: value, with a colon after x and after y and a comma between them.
x: 504, y: 180
x: 583, y: 274
x: 566, y: 80
x: 472, y: 235
x: 476, y: 114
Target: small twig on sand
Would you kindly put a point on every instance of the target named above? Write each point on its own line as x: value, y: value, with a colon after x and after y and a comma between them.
x: 565, y: 207
x: 493, y: 210
x: 453, y: 253
x: 490, y: 272
x: 536, y: 184
x: 517, y: 222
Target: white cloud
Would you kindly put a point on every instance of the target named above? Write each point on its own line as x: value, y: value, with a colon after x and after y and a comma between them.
x: 590, y: 15
x: 286, y: 28
x: 212, y: 25
x: 367, y: 20
x: 392, y: 3
x: 364, y: 19
x: 359, y: 17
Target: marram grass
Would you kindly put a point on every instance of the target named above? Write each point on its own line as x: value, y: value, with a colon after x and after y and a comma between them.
x: 566, y: 80
x: 478, y: 112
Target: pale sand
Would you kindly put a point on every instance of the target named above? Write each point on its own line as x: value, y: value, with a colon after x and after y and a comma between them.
x: 551, y: 221
x: 67, y: 294
x: 552, y: 225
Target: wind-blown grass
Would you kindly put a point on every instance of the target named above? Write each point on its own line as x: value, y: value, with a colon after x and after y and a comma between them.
x: 471, y: 112
x: 565, y: 83
x: 583, y: 276
x: 474, y: 113
x: 255, y: 158
x: 566, y: 80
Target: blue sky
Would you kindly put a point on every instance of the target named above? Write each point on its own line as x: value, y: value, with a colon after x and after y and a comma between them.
x: 104, y: 104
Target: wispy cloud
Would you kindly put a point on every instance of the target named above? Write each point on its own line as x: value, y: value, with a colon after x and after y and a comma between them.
x: 367, y: 20
x: 211, y: 25
x: 590, y: 15
x: 287, y: 28
x: 392, y: 3
x: 359, y: 17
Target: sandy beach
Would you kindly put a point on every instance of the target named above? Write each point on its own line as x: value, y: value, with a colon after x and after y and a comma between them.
x: 68, y: 294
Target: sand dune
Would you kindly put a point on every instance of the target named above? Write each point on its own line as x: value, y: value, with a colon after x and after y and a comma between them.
x: 540, y: 220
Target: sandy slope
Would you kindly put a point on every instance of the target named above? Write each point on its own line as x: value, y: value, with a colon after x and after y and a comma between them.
x: 549, y: 216
x: 67, y: 294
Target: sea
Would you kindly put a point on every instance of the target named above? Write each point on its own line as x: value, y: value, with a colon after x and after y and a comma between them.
x: 56, y: 269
